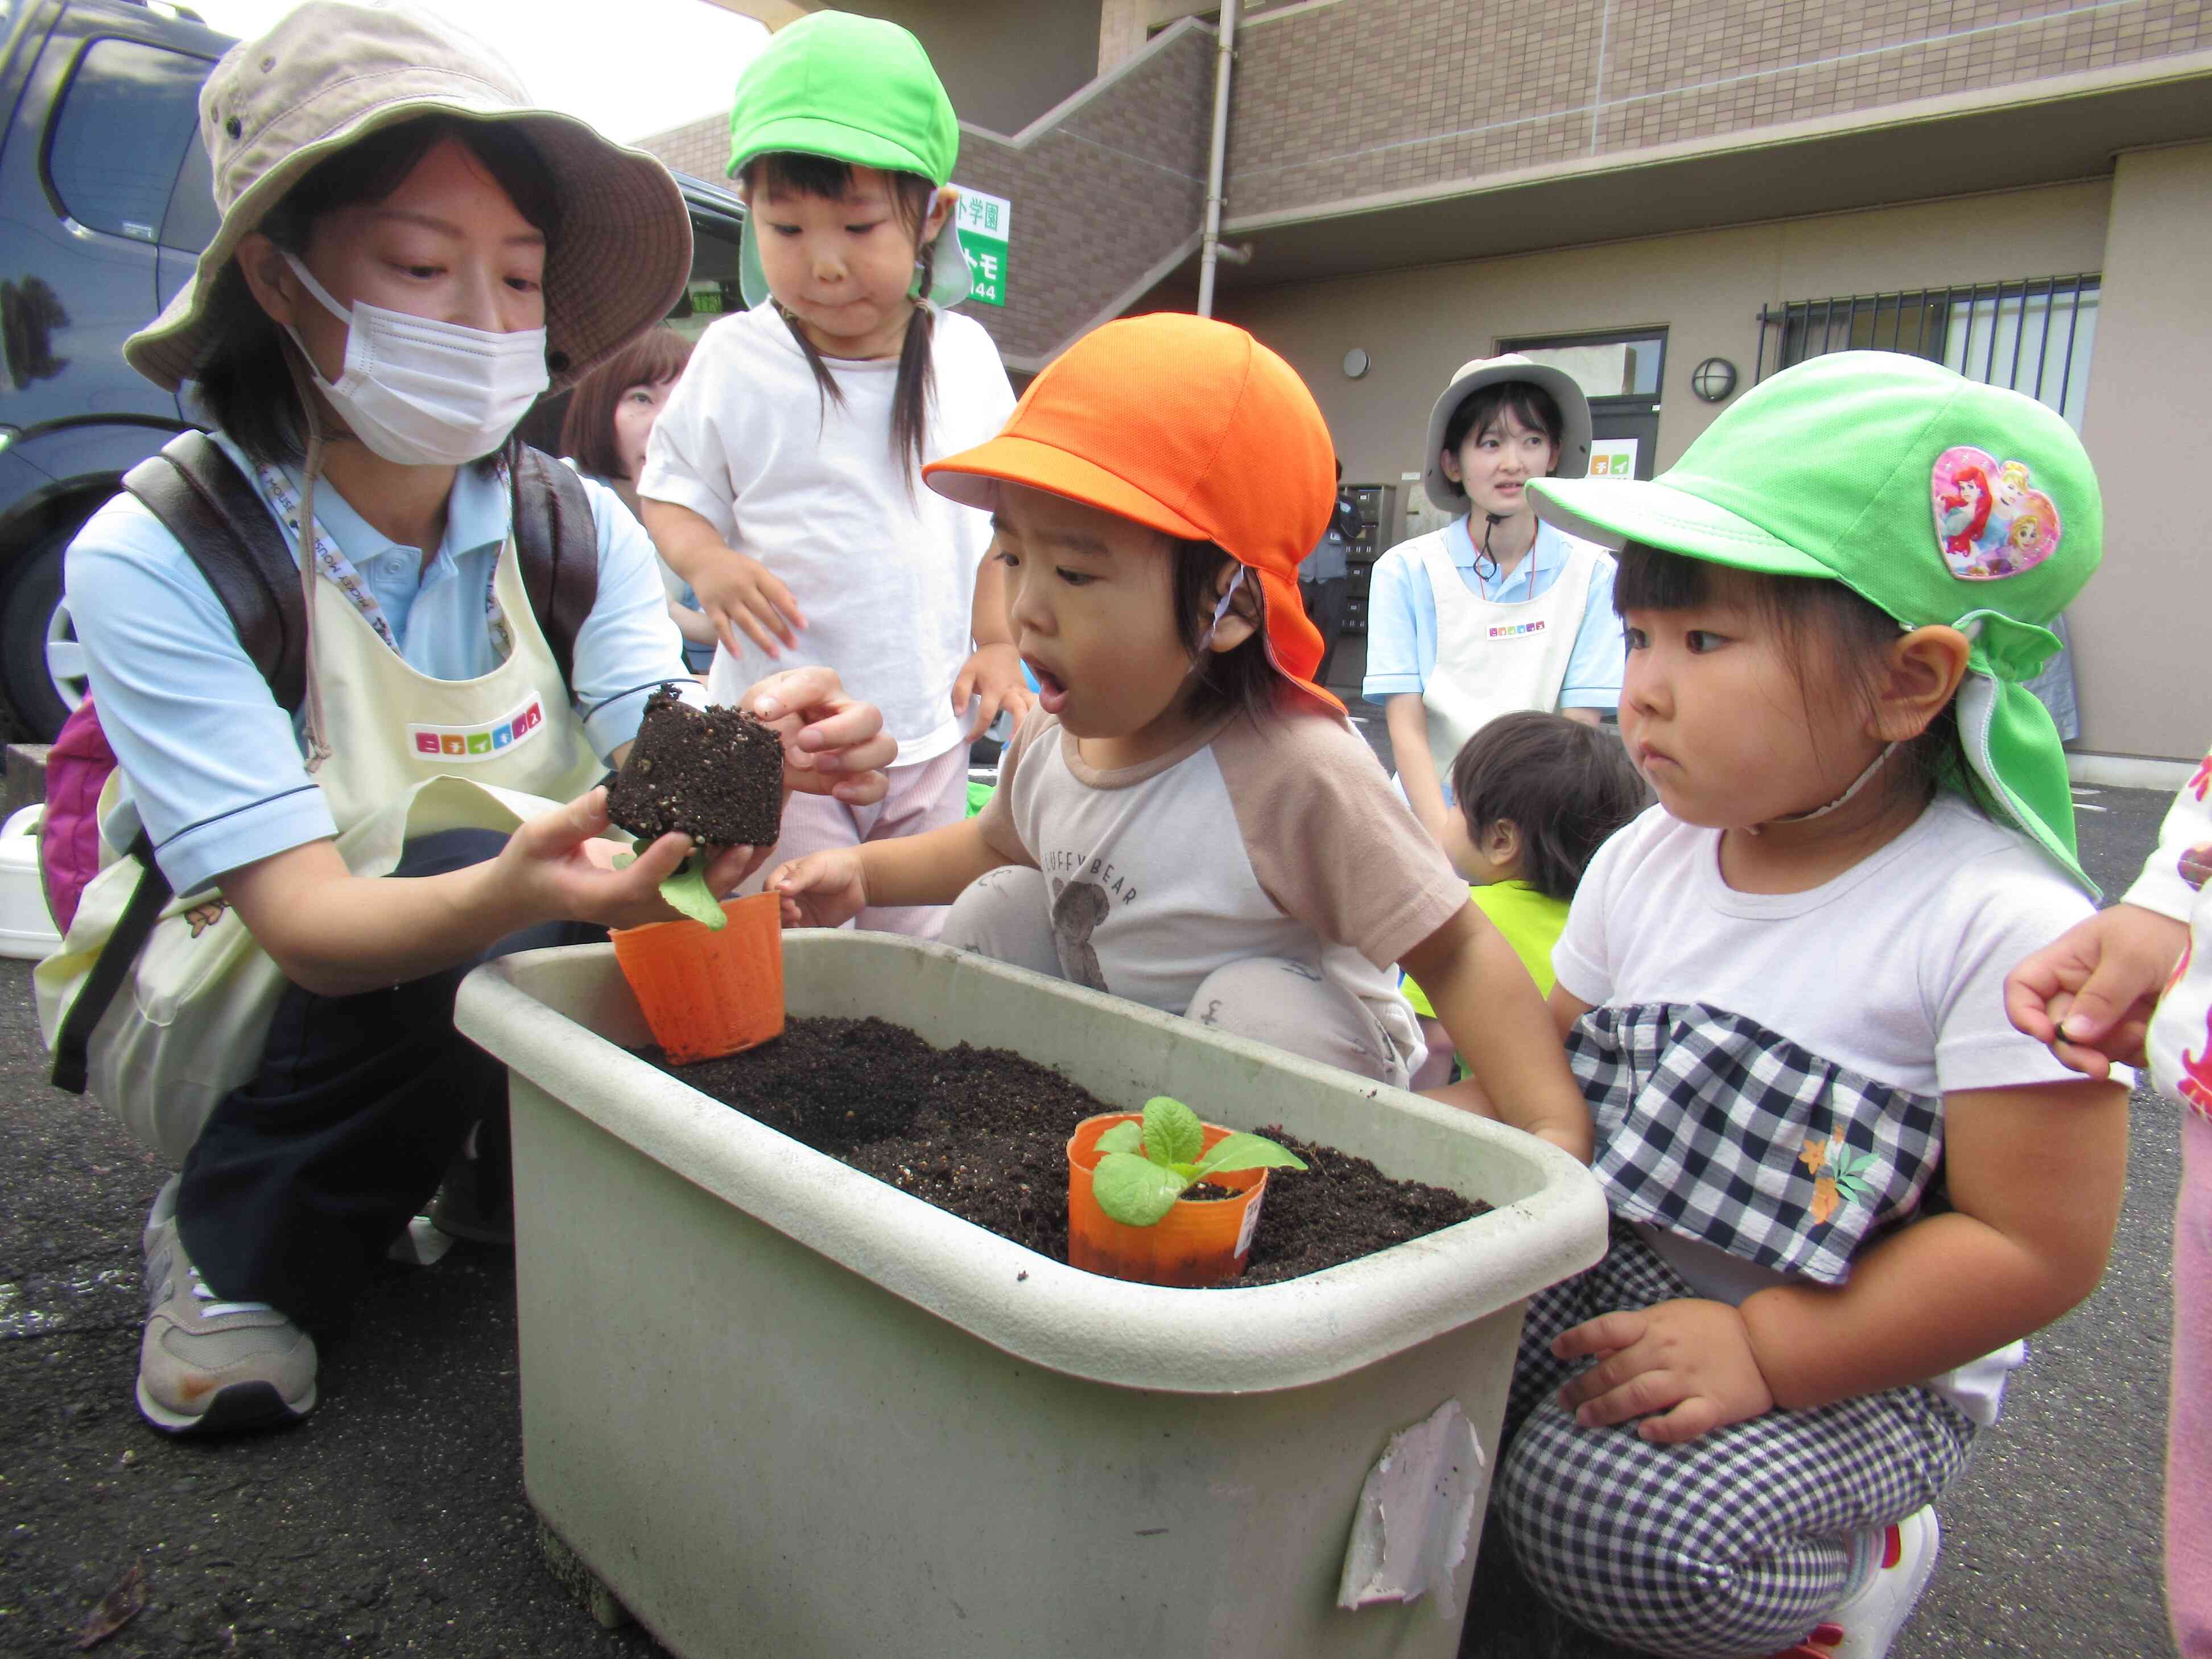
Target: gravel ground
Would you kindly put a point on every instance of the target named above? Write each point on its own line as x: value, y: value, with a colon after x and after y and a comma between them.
x: 393, y: 1520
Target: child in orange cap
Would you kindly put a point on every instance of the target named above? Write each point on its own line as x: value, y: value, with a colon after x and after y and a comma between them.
x: 1187, y: 819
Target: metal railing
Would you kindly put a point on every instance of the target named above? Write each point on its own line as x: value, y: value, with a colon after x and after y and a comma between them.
x: 2032, y: 335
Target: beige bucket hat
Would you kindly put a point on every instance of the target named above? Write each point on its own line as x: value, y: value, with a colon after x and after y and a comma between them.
x: 1574, y: 420
x: 330, y: 73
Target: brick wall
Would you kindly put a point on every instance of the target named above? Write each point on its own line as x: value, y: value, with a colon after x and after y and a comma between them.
x: 1359, y: 98
x: 701, y: 149
x: 1103, y: 192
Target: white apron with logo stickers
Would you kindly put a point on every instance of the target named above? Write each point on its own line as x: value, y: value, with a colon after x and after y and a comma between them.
x: 1494, y: 659
x: 410, y: 755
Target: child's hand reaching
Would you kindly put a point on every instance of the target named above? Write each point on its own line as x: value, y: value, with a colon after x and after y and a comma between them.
x: 822, y: 890
x: 991, y: 680
x: 1684, y: 1367
x: 740, y: 594
x: 2090, y: 995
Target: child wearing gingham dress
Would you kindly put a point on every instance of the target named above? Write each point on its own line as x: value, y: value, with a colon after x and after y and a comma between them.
x: 1844, y: 1188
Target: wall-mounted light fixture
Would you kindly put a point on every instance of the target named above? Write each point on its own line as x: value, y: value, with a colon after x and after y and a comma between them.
x: 1713, y: 380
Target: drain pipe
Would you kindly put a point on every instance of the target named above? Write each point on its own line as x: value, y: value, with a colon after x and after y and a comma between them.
x: 1224, y: 57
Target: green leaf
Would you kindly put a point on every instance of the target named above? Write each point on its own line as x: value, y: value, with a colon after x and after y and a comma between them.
x: 1134, y: 1190
x: 1173, y: 1134
x: 1849, y: 1162
x: 686, y: 890
x: 1243, y: 1151
x: 1123, y: 1138
x: 1852, y: 1188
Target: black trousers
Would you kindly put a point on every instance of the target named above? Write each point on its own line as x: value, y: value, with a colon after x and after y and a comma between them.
x: 303, y: 1177
x: 1326, y: 603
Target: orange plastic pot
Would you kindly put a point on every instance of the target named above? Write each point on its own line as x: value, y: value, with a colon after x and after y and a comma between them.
x: 708, y: 992
x: 1199, y: 1241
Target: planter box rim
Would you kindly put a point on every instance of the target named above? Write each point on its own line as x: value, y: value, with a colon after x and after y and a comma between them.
x: 1253, y: 1340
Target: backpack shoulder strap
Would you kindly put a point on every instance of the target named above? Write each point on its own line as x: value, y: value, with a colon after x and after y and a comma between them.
x: 556, y: 542
x: 203, y: 500
x: 73, y: 1042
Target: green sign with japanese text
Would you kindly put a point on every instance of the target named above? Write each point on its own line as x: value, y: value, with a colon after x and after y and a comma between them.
x: 985, y: 225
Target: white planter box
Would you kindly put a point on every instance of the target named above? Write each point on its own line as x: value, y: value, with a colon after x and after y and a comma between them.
x: 782, y: 1408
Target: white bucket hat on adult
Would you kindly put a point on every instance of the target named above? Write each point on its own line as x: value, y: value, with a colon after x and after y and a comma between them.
x: 1574, y: 420
x: 330, y: 73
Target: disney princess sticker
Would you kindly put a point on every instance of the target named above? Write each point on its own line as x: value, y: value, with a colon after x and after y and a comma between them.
x: 1991, y: 520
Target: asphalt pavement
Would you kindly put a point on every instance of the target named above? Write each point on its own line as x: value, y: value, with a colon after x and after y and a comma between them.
x: 393, y: 1520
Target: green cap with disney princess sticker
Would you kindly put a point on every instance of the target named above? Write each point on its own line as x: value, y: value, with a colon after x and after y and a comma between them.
x: 1940, y: 501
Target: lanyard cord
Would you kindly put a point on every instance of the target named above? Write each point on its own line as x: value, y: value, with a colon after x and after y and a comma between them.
x: 1484, y: 552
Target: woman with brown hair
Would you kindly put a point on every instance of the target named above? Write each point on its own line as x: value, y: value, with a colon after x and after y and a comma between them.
x: 611, y: 415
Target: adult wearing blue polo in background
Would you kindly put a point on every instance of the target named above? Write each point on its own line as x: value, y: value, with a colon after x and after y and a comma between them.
x: 1494, y: 612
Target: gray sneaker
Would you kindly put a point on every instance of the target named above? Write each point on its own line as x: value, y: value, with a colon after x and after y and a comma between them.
x: 206, y: 1365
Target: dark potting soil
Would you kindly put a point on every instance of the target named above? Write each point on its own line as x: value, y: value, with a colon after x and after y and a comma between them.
x: 983, y: 1132
x: 716, y: 777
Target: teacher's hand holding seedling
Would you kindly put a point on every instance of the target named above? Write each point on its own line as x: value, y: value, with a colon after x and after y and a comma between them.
x: 832, y: 746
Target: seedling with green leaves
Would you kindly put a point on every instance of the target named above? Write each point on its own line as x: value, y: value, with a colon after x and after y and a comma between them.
x: 1146, y: 1168
x: 686, y: 890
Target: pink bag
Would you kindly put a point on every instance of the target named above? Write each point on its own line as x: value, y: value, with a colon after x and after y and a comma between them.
x: 69, y: 835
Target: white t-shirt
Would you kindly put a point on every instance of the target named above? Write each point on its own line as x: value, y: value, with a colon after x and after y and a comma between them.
x: 883, y: 567
x: 1837, y: 1017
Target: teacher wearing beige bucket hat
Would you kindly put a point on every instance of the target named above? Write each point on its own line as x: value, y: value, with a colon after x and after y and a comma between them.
x: 1495, y: 612
x: 365, y: 777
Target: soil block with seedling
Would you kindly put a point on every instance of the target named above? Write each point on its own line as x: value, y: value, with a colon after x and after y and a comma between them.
x: 815, y: 1414
x: 711, y: 984
x: 715, y: 775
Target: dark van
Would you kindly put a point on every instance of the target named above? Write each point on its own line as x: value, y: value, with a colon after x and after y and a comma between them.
x: 105, y: 201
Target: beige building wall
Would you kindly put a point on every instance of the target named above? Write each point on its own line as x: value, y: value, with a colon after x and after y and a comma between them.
x: 1003, y: 63
x: 1704, y: 288
x: 2144, y: 669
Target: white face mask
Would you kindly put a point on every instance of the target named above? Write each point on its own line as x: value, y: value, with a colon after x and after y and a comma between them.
x: 420, y: 393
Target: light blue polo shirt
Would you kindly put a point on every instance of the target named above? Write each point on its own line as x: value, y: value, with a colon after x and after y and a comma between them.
x: 1402, y: 617
x: 215, y: 767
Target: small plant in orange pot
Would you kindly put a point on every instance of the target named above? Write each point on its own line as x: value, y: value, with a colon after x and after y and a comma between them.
x: 706, y: 990
x: 1128, y: 1212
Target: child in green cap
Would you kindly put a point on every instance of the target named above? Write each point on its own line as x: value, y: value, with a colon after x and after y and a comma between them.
x: 1844, y: 1188
x: 783, y: 480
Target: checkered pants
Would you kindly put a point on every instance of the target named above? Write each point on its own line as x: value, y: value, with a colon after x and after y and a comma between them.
x: 1736, y: 1544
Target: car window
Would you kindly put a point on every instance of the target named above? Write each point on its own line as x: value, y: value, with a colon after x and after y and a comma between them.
x: 119, y: 133
x: 714, y: 291
x: 191, y: 220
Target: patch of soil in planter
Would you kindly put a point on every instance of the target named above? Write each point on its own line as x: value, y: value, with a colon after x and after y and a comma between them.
x: 983, y: 1132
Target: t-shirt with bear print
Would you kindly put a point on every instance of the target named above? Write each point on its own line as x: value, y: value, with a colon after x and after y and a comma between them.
x: 1275, y: 837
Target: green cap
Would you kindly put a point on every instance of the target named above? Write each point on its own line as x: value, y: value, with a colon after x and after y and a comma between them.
x: 859, y: 90
x: 1941, y: 501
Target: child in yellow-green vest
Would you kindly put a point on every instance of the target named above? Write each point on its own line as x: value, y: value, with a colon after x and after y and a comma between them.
x: 1535, y: 796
